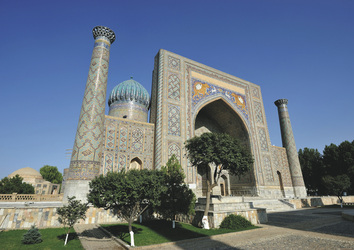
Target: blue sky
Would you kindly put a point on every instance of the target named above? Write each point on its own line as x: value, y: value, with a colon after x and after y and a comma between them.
x: 299, y: 50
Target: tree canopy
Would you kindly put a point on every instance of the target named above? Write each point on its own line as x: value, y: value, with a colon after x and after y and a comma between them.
x: 222, y: 150
x: 217, y: 152
x: 127, y: 194
x: 311, y: 165
x: 330, y: 173
x: 178, y: 198
x: 51, y: 174
x: 15, y: 185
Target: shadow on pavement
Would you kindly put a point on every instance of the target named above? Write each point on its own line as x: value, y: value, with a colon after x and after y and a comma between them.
x: 320, y: 220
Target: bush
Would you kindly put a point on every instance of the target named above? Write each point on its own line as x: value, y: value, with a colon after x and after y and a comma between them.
x: 235, y: 222
x: 32, y: 236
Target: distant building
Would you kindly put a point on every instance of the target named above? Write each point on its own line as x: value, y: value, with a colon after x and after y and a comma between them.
x: 33, y: 177
x: 187, y: 99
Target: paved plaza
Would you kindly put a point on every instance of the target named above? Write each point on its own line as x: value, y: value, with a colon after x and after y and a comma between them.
x: 319, y: 228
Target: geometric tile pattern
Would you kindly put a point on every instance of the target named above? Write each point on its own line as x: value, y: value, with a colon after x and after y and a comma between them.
x: 159, y: 112
x: 201, y: 89
x: 281, y: 164
x: 133, y: 140
x: 263, y: 139
x: 111, y: 136
x: 87, y: 150
x: 174, y: 127
x: 137, y: 140
x: 123, y: 138
x: 174, y: 149
x: 255, y: 92
x: 122, y: 162
x: 108, y: 160
x: 174, y: 63
x: 259, y: 113
x: 174, y: 87
x: 267, y: 169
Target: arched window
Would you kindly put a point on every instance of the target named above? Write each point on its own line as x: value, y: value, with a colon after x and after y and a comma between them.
x: 136, y: 164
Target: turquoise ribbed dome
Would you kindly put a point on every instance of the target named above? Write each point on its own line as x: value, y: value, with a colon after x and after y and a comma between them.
x: 129, y: 90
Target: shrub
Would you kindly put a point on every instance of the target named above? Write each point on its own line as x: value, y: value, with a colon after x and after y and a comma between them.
x: 235, y: 222
x: 32, y: 236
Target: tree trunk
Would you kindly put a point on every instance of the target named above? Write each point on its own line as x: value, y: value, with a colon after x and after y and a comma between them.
x: 205, y: 221
x: 66, y: 239
x: 173, y: 221
x: 132, y: 244
x: 131, y: 232
x: 210, y: 186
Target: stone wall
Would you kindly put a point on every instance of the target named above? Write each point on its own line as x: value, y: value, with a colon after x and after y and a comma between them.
x: 21, y: 218
x: 320, y: 201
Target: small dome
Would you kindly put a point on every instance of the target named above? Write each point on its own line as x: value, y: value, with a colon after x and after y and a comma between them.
x: 129, y: 90
x: 26, y: 172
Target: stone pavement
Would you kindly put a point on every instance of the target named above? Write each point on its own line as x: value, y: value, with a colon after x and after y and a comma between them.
x: 318, y: 228
x: 92, y: 237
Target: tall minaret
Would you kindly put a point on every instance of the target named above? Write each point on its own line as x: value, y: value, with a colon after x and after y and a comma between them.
x: 87, y: 151
x: 288, y: 140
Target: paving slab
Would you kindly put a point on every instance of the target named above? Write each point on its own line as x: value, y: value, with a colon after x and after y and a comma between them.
x: 300, y: 229
x: 348, y: 215
x: 92, y: 238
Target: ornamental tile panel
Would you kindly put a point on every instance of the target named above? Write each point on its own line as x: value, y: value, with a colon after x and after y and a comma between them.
x: 122, y: 162
x: 109, y: 159
x: 174, y: 120
x: 174, y: 149
x: 202, y: 89
x: 174, y: 87
x: 123, y: 138
x: 255, y: 92
x: 258, y: 112
x: 174, y: 63
x: 268, y: 169
x: 137, y: 140
x: 263, y: 139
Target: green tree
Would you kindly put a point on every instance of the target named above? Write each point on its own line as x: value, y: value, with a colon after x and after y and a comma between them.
x: 336, y: 185
x: 32, y: 236
x: 127, y: 194
x: 15, y: 185
x: 70, y: 214
x: 217, y: 152
x: 178, y: 198
x: 339, y: 160
x: 312, y: 167
x: 51, y: 174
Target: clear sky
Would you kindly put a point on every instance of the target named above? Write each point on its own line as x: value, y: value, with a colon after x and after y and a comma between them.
x: 296, y: 49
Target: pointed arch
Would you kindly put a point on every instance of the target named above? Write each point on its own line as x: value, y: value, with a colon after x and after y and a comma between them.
x: 136, y: 163
x: 217, y: 115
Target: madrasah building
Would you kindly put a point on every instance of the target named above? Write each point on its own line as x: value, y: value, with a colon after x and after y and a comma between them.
x: 187, y: 99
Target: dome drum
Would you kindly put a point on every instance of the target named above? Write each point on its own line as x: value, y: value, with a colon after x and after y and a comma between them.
x: 129, y: 110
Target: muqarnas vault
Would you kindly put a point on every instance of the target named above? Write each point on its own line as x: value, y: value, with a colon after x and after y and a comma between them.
x: 187, y: 99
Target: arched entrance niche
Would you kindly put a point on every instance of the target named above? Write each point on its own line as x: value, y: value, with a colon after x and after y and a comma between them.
x: 135, y: 163
x: 218, y: 116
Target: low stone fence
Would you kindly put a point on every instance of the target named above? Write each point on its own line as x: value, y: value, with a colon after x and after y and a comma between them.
x: 319, y: 201
x: 30, y: 197
x: 22, y: 218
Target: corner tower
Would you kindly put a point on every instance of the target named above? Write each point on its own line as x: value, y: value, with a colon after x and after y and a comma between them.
x: 288, y: 140
x: 87, y: 151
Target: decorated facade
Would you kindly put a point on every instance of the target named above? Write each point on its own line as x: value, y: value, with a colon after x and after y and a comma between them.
x: 187, y: 99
